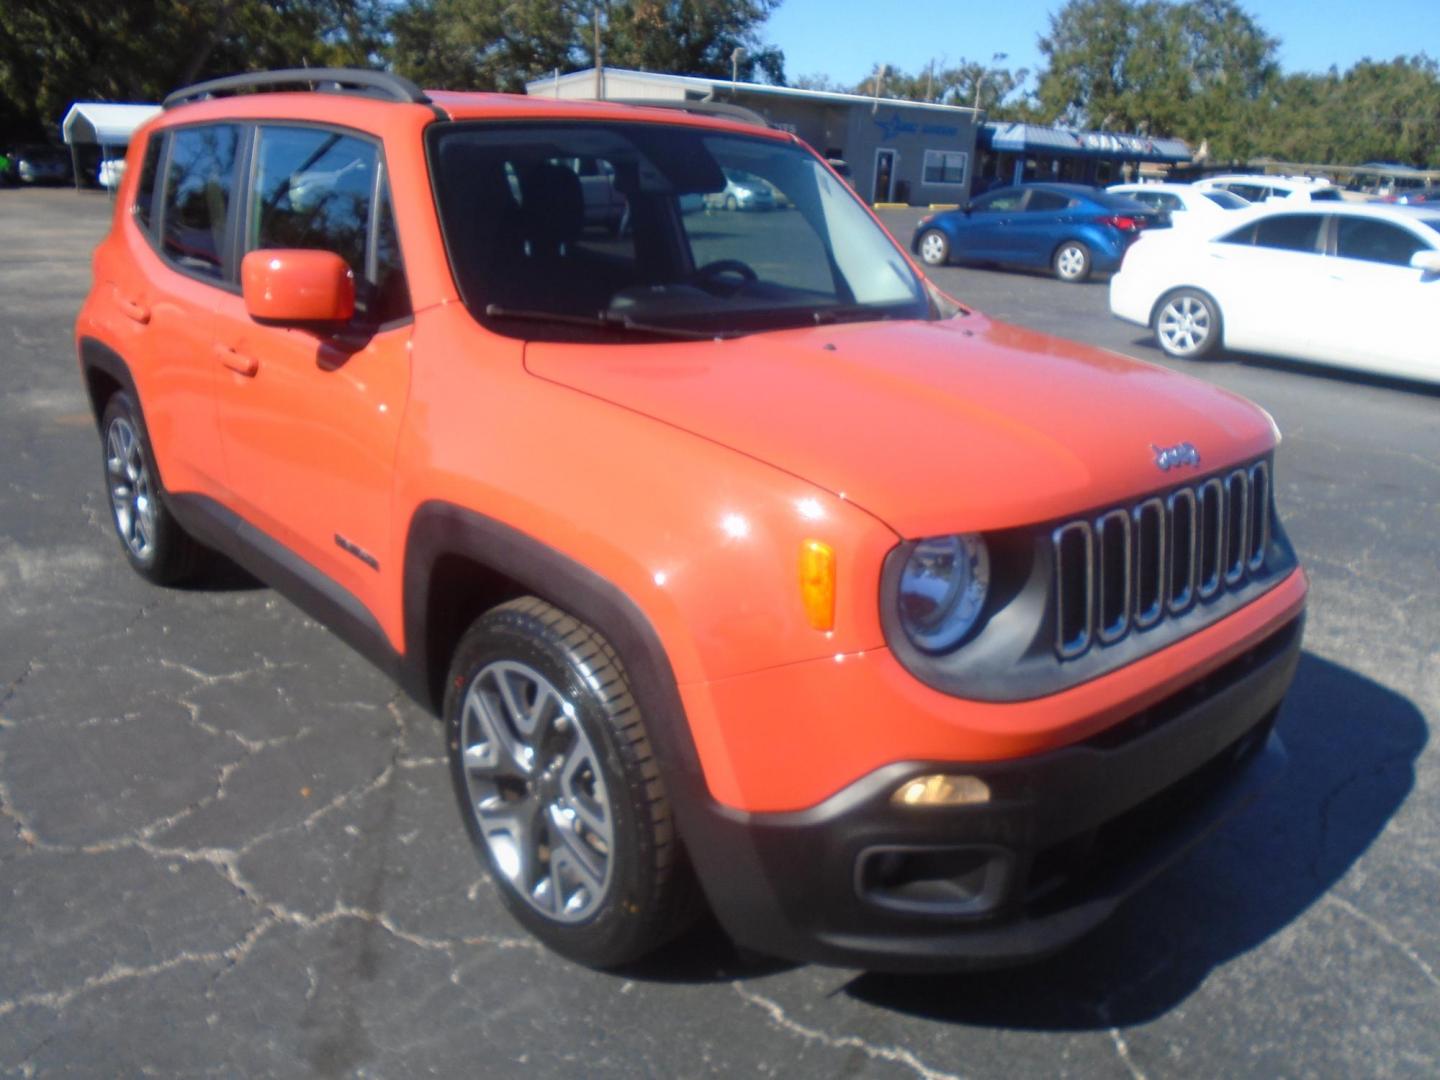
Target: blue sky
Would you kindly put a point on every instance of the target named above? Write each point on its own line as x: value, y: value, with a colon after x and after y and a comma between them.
x: 846, y: 38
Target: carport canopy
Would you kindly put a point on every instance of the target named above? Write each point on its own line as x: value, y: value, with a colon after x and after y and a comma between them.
x: 104, y: 124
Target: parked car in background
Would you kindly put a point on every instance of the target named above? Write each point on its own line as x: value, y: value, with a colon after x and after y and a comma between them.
x: 1260, y: 189
x: 109, y: 172
x: 742, y: 192
x: 1356, y: 285
x: 39, y: 164
x: 1411, y: 197
x: 1187, y: 206
x: 1070, y: 229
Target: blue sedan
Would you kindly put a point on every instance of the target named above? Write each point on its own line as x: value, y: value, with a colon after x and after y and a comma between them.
x: 1070, y: 229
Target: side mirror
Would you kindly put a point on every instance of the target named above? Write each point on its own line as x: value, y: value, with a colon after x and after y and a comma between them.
x: 289, y: 286
x: 1427, y: 262
x: 967, y: 209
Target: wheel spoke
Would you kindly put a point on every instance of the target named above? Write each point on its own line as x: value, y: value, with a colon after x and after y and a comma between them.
x: 583, y: 791
x: 511, y: 829
x: 490, y: 747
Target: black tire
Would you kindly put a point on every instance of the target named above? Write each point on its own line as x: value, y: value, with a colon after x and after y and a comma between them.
x: 646, y: 895
x: 1187, y: 325
x: 934, y: 247
x: 1071, y: 262
x: 153, y: 541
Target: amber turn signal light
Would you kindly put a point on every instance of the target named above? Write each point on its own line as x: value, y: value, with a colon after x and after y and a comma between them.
x: 817, y: 583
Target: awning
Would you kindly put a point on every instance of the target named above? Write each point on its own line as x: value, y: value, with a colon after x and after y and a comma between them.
x: 1033, y: 138
x: 104, y: 124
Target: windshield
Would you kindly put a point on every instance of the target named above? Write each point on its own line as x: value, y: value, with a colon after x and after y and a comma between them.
x: 657, y: 227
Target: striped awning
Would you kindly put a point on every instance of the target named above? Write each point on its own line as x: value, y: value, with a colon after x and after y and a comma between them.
x: 1063, y: 142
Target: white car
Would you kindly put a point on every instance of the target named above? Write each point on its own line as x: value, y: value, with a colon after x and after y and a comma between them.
x: 1189, y: 207
x: 1262, y: 189
x: 1351, y: 284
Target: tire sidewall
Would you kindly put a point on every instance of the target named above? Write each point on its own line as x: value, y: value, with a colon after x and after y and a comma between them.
x: 609, y: 933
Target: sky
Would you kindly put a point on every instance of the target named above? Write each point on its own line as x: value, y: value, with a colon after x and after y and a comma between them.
x: 845, y: 39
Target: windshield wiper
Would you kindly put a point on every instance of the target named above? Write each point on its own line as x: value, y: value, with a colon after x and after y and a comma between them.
x: 604, y: 320
x: 851, y: 313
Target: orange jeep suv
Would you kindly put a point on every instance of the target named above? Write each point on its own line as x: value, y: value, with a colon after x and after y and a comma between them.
x: 744, y: 566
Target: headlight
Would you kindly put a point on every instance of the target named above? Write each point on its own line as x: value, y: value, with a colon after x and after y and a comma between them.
x: 942, y: 590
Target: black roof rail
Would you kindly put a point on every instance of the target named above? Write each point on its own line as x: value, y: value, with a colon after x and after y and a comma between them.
x: 703, y: 108
x: 336, y: 80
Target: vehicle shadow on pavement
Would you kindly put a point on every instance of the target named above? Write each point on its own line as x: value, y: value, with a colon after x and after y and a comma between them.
x: 1352, y: 747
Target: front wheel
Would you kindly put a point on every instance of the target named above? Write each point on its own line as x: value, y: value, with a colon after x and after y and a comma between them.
x: 559, y: 788
x: 1187, y: 325
x: 1072, y: 261
x: 934, y: 248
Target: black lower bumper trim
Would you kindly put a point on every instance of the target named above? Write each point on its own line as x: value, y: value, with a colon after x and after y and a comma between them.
x: 1065, y: 838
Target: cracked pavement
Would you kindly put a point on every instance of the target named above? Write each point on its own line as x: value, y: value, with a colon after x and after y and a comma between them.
x: 228, y: 845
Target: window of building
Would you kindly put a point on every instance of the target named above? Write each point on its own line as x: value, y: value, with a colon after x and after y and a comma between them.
x: 197, y: 196
x: 945, y: 166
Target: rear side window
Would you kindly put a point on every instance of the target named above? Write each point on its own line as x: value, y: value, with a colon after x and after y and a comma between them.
x: 1376, y: 241
x: 316, y: 189
x: 1325, y: 195
x: 1046, y: 200
x: 1226, y: 199
x: 197, y: 196
x: 1289, y: 232
x: 145, y: 191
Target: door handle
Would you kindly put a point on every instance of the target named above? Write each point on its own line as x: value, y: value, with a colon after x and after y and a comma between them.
x: 237, y: 361
x: 133, y: 309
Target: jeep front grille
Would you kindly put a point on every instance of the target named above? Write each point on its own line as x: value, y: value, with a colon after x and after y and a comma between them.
x: 1128, y: 568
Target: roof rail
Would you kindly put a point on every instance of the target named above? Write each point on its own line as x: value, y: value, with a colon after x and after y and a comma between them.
x: 704, y: 108
x: 335, y: 80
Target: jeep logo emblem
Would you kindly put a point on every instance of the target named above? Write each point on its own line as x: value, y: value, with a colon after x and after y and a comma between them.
x: 1172, y: 457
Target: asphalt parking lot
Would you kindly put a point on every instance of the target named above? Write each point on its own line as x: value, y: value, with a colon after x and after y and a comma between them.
x: 229, y: 847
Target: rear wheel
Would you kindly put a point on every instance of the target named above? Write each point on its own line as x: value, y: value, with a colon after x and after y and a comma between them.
x: 1187, y: 325
x: 1072, y: 261
x: 153, y: 541
x: 934, y: 248
x: 559, y: 787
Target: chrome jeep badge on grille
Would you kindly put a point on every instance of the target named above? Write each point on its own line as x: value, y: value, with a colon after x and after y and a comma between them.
x: 1172, y: 457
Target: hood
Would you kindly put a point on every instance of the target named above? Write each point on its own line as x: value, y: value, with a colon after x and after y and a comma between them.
x: 959, y: 425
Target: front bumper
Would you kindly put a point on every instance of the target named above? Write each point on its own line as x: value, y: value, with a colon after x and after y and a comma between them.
x: 1067, y: 835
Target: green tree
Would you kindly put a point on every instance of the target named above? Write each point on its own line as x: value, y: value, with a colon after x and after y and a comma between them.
x: 1197, y: 69
x: 54, y: 53
x: 502, y: 44
x: 955, y: 84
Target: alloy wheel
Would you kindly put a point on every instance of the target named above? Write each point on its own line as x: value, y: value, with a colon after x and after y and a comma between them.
x: 537, y: 791
x: 132, y: 496
x: 1184, y: 325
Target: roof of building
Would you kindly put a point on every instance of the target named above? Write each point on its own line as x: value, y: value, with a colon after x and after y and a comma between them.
x: 1001, y: 135
x: 705, y: 84
x: 104, y: 123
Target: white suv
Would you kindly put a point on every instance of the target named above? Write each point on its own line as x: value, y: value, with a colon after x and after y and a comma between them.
x: 1259, y: 189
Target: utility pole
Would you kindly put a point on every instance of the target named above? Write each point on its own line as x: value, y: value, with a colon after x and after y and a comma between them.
x: 599, y: 69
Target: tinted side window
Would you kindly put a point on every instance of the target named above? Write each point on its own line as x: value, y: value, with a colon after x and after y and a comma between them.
x: 145, y: 191
x: 1325, y: 195
x: 1248, y: 191
x: 313, y: 190
x: 1046, y: 201
x: 1243, y: 235
x: 1376, y: 241
x: 1289, y: 232
x: 197, y: 196
x: 1000, y: 200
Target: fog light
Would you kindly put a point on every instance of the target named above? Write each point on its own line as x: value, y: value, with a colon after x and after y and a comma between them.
x: 941, y: 790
